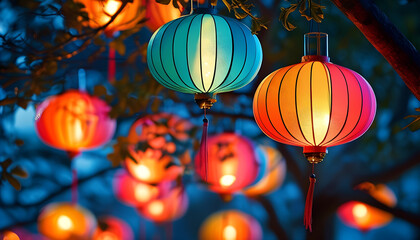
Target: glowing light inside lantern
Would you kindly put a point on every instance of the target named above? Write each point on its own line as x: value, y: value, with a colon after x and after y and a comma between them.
x: 110, y: 8
x: 142, y: 193
x: 359, y: 210
x: 227, y: 180
x: 156, y: 208
x: 64, y: 222
x: 142, y: 172
x: 78, y: 133
x: 229, y: 233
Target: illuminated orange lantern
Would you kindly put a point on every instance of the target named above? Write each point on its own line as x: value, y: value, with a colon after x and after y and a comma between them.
x: 134, y: 192
x: 230, y: 225
x: 159, y: 14
x: 168, y: 208
x: 111, y: 228
x: 63, y: 221
x: 274, y: 175
x: 365, y: 217
x: 9, y: 235
x: 232, y: 163
x: 74, y: 121
x: 101, y: 11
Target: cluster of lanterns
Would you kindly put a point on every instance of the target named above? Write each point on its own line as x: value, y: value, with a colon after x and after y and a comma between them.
x: 314, y: 104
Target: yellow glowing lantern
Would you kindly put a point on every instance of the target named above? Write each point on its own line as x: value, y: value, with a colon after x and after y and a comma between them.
x: 274, y: 174
x: 64, y: 221
x: 230, y: 225
x: 365, y: 217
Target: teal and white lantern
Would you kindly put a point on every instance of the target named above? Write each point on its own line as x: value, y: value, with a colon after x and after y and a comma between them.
x: 203, y: 53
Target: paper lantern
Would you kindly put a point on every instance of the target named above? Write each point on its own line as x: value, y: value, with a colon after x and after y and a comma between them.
x: 167, y: 208
x: 232, y: 163
x: 64, y: 221
x: 74, y: 121
x: 135, y: 193
x: 314, y: 104
x: 204, y: 53
x: 274, y: 174
x: 230, y: 225
x: 365, y: 217
x: 112, y: 228
x: 101, y: 11
x: 159, y: 14
x: 9, y: 235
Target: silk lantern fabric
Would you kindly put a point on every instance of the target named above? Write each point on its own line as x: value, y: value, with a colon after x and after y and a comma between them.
x: 66, y: 221
x: 365, y: 217
x: 232, y: 163
x: 112, y: 228
x: 74, y: 121
x: 101, y: 11
x: 230, y: 225
x: 314, y: 104
x: 204, y: 53
x: 274, y: 174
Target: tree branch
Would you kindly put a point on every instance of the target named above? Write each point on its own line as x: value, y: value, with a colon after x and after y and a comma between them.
x: 386, y: 38
x: 273, y: 222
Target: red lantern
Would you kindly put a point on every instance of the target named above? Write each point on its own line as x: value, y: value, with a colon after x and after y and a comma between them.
x: 232, y: 163
x: 101, y: 11
x: 364, y: 217
x: 74, y: 121
x: 230, y: 225
x: 136, y: 193
x: 314, y: 104
x: 112, y: 228
x: 167, y: 208
x: 274, y: 174
x: 65, y: 221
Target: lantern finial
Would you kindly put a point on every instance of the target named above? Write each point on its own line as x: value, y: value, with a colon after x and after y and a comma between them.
x: 314, y: 154
x: 204, y: 100
x: 315, y: 47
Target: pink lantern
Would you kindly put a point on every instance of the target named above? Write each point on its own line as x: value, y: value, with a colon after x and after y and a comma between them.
x: 232, y: 163
x: 112, y: 228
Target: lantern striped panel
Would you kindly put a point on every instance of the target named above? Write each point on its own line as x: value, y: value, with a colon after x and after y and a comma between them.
x: 74, y: 121
x: 204, y: 53
x: 314, y: 104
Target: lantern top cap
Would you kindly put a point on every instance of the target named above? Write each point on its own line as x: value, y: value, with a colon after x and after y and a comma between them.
x: 315, y: 47
x: 204, y: 10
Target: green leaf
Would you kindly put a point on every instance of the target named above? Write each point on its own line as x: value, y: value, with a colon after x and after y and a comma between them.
x: 20, y: 172
x: 228, y: 5
x: 213, y: 3
x: 119, y: 46
x: 255, y: 26
x: 13, y: 181
x: 19, y: 142
x: 99, y: 91
x: 284, y: 15
x: 415, y: 124
x: 6, y: 163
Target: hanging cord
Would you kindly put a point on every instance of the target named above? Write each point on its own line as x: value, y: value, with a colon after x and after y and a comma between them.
x: 307, y: 219
x: 203, y: 149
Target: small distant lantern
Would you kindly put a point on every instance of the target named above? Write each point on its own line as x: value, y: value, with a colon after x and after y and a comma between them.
x: 136, y: 193
x: 112, y: 228
x: 74, y: 121
x: 230, y: 225
x: 167, y: 208
x: 9, y: 235
x: 274, y: 174
x: 65, y: 221
x: 232, y: 163
x: 101, y: 11
x: 365, y: 217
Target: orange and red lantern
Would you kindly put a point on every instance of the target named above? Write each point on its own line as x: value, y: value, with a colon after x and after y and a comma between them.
x: 169, y: 207
x: 365, y: 217
x: 101, y: 11
x: 112, y: 228
x: 232, y: 163
x: 230, y: 225
x: 8, y: 235
x: 65, y: 221
x: 74, y: 121
x: 136, y: 193
x: 274, y: 174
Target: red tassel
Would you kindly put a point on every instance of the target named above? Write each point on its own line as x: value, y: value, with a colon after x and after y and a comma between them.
x: 74, y: 187
x: 307, y: 220
x: 111, y: 65
x: 203, y: 150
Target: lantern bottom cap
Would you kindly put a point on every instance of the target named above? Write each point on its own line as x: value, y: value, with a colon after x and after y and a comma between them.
x: 204, y: 100
x: 315, y: 154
